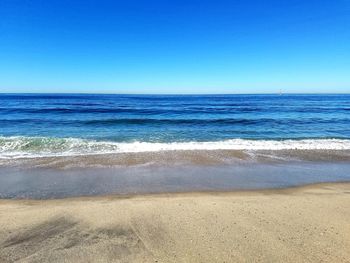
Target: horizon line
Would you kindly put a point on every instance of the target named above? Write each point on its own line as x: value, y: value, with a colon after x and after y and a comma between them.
x: 174, y: 94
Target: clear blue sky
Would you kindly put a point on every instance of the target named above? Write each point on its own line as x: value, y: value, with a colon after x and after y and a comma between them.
x: 184, y: 46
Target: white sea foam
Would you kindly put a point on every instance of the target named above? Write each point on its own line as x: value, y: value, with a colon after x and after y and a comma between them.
x: 20, y: 147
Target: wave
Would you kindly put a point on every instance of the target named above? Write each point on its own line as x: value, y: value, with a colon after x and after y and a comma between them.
x: 178, y: 121
x: 21, y: 147
x: 147, y: 121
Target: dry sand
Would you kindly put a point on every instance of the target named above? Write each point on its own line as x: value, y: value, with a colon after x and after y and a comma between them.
x: 308, y: 224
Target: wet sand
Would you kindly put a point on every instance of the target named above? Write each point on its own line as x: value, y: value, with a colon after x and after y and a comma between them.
x: 180, y: 157
x: 305, y: 224
x: 50, y: 183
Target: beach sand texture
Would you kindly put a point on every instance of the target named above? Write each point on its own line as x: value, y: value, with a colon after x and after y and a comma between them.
x: 306, y: 224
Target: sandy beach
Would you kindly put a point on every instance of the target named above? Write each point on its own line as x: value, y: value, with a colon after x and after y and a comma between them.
x: 305, y: 224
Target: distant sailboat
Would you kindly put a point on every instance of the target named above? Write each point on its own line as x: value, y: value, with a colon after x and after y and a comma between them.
x: 280, y: 93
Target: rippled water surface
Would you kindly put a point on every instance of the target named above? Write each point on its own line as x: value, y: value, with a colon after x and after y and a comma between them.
x: 125, y: 118
x: 46, y: 125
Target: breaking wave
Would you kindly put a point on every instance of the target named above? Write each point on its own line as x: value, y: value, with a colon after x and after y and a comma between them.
x: 21, y: 147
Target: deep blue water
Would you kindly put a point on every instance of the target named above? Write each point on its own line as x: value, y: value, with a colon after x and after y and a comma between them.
x: 159, y: 118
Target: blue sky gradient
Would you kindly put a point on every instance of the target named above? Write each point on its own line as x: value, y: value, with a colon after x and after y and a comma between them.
x: 175, y: 46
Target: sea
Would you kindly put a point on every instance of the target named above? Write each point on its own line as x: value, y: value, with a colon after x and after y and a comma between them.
x: 62, y: 145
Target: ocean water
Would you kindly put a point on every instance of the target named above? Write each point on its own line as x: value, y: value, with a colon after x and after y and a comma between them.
x: 46, y: 125
x: 71, y: 145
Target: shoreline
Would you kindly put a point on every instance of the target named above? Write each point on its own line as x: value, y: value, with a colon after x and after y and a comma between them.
x: 233, y: 192
x: 48, y: 183
x: 298, y: 224
x: 180, y: 157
